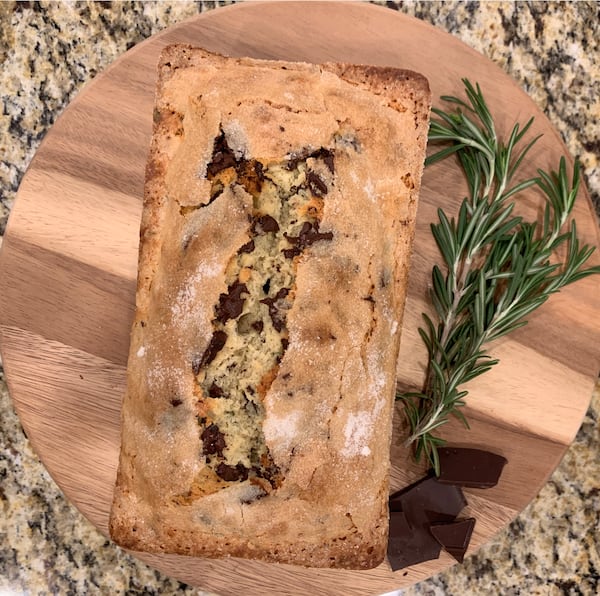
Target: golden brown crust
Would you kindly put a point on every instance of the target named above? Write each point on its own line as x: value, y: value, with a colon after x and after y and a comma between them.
x: 328, y: 409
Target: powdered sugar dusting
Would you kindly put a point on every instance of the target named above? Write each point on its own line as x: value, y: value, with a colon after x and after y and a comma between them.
x: 141, y: 352
x: 281, y: 429
x: 183, y: 307
x: 159, y: 376
x: 236, y: 138
x: 377, y: 376
x: 359, y: 426
x: 369, y: 190
x: 357, y: 431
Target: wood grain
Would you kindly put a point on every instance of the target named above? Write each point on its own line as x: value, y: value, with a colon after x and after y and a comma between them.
x: 68, y: 267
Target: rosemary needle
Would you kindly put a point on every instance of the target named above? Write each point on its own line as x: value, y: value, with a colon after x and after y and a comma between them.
x: 497, y: 268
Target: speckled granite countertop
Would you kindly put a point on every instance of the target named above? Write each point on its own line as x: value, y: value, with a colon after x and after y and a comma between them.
x: 49, y: 50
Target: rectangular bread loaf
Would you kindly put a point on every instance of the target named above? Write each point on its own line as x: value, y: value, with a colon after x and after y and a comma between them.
x: 278, y: 217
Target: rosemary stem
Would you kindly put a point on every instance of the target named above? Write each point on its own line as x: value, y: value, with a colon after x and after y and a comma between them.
x: 499, y: 268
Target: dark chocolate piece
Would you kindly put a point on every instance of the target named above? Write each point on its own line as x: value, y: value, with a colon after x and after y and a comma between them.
x: 290, y: 253
x: 246, y: 248
x: 454, y: 536
x: 264, y: 224
x: 231, y: 304
x: 213, y: 440
x: 409, y: 547
x: 309, y: 234
x: 222, y: 157
x: 474, y: 468
x: 275, y: 304
x: 428, y: 501
x: 316, y: 185
x: 327, y: 156
x: 176, y: 402
x: 216, y: 392
x: 422, y: 504
x: 232, y: 473
x: 214, y: 347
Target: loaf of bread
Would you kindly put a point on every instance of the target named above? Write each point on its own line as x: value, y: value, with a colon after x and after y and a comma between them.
x: 278, y: 217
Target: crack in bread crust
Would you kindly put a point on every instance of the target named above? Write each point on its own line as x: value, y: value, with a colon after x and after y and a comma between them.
x: 249, y: 326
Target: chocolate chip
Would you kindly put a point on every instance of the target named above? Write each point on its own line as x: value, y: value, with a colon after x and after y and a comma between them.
x: 327, y: 157
x: 474, y: 468
x: 247, y: 248
x: 176, y: 402
x: 275, y: 304
x: 231, y: 473
x: 258, y: 326
x: 316, y: 185
x: 222, y: 157
x: 213, y: 440
x: 454, y: 536
x: 231, y: 304
x: 259, y: 170
x: 309, y: 234
x: 290, y: 253
x: 264, y: 224
x: 216, y: 392
x: 214, y: 347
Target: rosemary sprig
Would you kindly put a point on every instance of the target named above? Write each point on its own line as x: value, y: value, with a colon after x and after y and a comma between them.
x: 498, y: 268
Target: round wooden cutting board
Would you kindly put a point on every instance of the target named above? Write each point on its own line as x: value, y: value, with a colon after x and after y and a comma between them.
x: 68, y: 269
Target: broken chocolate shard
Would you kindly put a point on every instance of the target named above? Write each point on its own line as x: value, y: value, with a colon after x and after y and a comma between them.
x: 408, y: 547
x: 214, y: 347
x: 327, y: 156
x: 231, y: 304
x: 418, y: 506
x: 222, y: 157
x: 454, y: 536
x: 429, y: 501
x: 276, y: 305
x: 247, y: 248
x: 309, y: 234
x: 290, y: 253
x: 232, y: 473
x: 215, y: 391
x: 316, y: 185
x: 473, y: 468
x: 264, y: 224
x: 213, y: 441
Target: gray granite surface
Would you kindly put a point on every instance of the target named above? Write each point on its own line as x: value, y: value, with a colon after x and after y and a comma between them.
x: 49, y: 49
